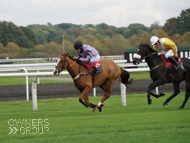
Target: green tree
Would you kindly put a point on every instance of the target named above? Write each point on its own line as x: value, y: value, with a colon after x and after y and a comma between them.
x: 161, y: 34
x: 12, y: 49
x: 23, y: 52
x: 106, y: 46
x: 185, y: 40
x: 183, y: 22
x: 12, y: 33
x: 40, y: 47
x: 145, y: 38
x: 170, y: 27
x: 82, y: 39
x: 30, y: 36
x: 154, y: 27
x: 136, y: 29
x: 176, y: 38
x: 119, y: 44
x: 53, y: 48
x: 69, y: 47
x: 2, y: 48
x: 134, y: 41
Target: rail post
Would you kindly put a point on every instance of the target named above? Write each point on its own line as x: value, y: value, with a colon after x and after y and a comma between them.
x: 123, y: 94
x: 27, y: 90
x: 34, y: 94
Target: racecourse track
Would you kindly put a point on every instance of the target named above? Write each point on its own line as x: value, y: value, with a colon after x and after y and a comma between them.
x: 65, y: 90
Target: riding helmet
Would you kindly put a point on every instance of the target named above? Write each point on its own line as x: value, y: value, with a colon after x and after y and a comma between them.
x: 153, y: 40
x: 78, y: 45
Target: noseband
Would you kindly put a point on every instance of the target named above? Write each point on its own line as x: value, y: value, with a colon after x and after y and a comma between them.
x: 63, y: 63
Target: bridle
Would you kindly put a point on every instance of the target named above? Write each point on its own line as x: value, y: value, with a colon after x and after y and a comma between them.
x: 76, y: 77
x: 145, y: 56
x: 137, y: 56
x: 65, y: 63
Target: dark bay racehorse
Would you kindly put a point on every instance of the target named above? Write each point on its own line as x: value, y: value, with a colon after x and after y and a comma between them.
x: 84, y: 82
x: 161, y: 75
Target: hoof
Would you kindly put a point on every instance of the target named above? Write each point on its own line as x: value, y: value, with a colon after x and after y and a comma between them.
x: 150, y: 101
x: 100, y: 108
x: 181, y: 107
x: 162, y: 94
x: 95, y: 108
x: 165, y: 104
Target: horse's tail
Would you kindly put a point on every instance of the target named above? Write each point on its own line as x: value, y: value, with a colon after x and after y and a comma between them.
x: 125, y: 77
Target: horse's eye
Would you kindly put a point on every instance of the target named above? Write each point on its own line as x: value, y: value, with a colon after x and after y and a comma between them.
x: 61, y: 61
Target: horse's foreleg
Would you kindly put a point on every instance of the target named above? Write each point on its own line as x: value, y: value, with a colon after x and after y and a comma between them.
x: 176, y: 92
x: 84, y: 95
x: 87, y: 101
x: 152, y: 86
x: 157, y: 96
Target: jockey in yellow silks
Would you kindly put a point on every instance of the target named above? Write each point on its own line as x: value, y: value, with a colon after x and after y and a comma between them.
x: 169, y: 49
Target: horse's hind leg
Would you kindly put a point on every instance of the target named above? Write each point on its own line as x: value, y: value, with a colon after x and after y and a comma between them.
x: 176, y: 92
x: 187, y: 94
x: 107, y: 89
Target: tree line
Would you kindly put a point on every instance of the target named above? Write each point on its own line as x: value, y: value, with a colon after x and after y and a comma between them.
x: 47, y: 40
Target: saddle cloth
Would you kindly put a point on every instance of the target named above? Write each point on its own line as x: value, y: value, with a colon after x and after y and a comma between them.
x: 168, y: 64
x: 90, y: 68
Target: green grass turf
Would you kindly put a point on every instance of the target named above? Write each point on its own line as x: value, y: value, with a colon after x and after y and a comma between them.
x: 70, y: 122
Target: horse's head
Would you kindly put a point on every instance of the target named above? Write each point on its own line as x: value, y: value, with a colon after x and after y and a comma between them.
x: 142, y: 52
x: 61, y: 64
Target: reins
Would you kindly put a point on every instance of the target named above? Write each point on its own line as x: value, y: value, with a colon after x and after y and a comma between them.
x: 79, y: 75
x: 150, y: 55
x: 72, y: 63
x: 155, y: 66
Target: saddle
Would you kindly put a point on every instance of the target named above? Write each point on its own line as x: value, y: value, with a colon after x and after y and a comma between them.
x: 90, y: 68
x: 168, y: 64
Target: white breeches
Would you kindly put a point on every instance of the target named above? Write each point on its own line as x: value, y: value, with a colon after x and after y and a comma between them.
x: 168, y: 53
x: 95, y: 58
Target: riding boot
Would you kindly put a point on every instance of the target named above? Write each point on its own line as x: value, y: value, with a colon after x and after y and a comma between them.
x: 97, y: 70
x: 175, y: 62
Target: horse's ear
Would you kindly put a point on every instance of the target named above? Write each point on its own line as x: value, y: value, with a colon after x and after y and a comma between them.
x: 61, y: 53
x: 66, y: 53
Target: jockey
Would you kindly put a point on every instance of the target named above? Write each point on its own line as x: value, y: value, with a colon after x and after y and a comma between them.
x: 88, y: 54
x: 169, y: 49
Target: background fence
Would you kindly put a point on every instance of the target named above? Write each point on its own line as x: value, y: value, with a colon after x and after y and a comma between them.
x: 46, y: 69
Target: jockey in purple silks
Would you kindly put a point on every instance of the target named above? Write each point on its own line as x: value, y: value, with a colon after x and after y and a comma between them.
x: 88, y: 54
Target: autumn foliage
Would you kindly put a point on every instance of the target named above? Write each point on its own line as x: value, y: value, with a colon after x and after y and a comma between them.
x: 49, y: 40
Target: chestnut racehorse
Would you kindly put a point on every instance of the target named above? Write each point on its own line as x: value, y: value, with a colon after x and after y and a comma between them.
x: 84, y: 81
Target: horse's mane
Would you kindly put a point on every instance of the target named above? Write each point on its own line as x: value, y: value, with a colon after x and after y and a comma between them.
x: 70, y: 56
x: 148, y: 46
